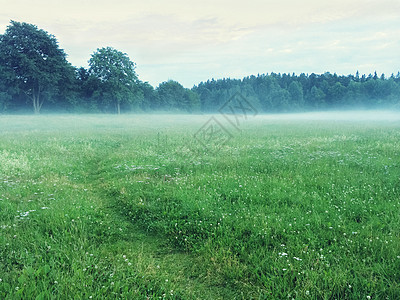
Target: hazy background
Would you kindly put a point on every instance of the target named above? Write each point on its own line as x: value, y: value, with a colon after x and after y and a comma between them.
x: 192, y: 41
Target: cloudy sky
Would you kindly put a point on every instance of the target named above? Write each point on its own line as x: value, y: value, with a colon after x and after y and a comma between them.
x: 192, y: 41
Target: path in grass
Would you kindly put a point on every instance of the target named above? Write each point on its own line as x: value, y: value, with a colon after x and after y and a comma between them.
x: 180, y: 270
x: 64, y: 235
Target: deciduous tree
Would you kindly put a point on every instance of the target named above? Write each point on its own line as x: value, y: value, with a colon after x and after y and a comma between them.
x: 33, y: 62
x: 117, y: 74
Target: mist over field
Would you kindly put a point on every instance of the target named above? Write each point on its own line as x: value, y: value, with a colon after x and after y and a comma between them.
x: 183, y: 122
x: 345, y: 115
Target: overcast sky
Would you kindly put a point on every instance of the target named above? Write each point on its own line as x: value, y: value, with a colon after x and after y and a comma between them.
x: 192, y: 41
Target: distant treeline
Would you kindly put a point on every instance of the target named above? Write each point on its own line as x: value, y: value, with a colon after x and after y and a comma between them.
x: 36, y: 76
x: 289, y: 92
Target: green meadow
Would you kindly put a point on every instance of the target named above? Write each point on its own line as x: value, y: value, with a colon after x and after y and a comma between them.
x: 138, y: 207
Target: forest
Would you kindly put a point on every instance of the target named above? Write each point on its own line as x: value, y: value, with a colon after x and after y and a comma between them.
x: 35, y: 76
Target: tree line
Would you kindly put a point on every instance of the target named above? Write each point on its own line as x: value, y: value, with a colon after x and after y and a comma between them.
x: 35, y: 75
x: 290, y: 92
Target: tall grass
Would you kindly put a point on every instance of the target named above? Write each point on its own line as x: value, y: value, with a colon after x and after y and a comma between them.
x: 122, y: 207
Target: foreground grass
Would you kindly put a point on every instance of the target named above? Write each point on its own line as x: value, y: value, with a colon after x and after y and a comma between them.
x: 121, y: 208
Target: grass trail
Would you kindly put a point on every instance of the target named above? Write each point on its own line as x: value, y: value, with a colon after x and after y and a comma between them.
x: 64, y: 235
x: 151, y: 253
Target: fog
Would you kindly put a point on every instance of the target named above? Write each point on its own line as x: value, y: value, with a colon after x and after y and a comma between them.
x: 180, y: 122
x: 358, y: 115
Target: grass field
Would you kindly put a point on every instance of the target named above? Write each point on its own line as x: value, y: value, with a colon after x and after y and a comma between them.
x: 134, y: 207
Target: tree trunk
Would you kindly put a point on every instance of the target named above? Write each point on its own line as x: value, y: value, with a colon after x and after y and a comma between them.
x: 35, y: 109
x: 37, y: 104
x: 118, y: 108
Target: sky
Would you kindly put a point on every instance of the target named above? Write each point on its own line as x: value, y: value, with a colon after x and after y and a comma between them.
x: 193, y: 41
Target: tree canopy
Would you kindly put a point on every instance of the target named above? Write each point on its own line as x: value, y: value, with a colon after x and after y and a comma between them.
x: 117, y: 76
x: 32, y: 63
x: 290, y: 93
